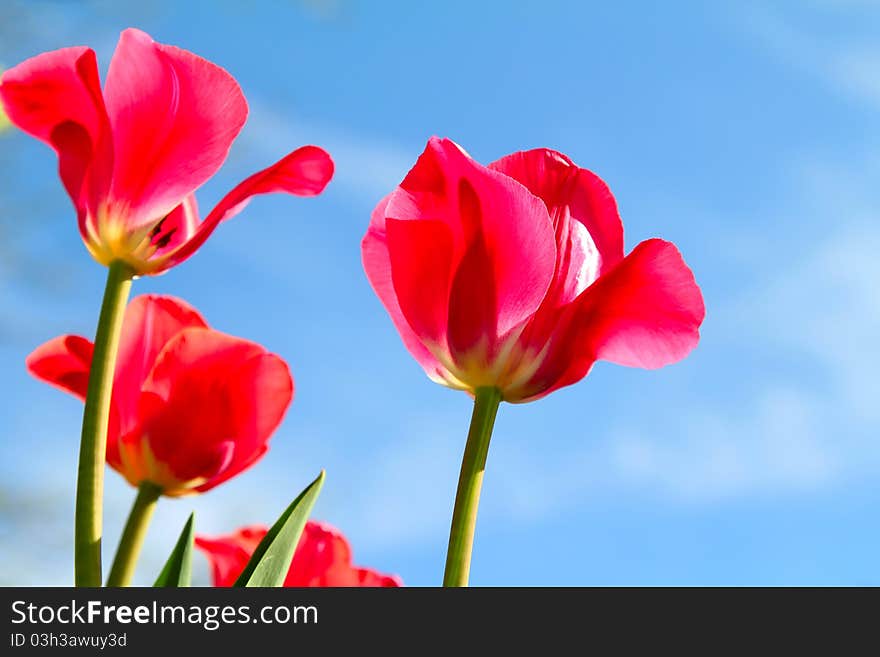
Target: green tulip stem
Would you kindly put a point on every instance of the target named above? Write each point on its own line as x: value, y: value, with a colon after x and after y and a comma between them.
x: 96, y: 420
x: 470, y: 481
x: 133, y: 535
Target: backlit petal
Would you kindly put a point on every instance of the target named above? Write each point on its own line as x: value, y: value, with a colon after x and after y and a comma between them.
x: 646, y: 312
x: 208, y: 389
x: 304, y: 172
x: 377, y: 265
x: 56, y: 97
x: 174, y: 117
x: 472, y: 251
x: 64, y: 362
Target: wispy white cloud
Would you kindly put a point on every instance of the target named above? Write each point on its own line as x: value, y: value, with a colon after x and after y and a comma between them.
x: 817, y: 306
x: 815, y: 303
x: 369, y: 167
x: 404, y: 490
x: 845, y: 62
x: 773, y: 444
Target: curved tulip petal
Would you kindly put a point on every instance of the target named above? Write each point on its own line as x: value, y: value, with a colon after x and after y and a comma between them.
x: 56, y: 97
x: 174, y: 117
x: 214, y: 389
x: 472, y: 251
x: 64, y: 362
x: 646, y: 312
x: 571, y: 193
x: 377, y: 265
x: 321, y: 550
x: 421, y: 256
x: 228, y: 465
x: 150, y: 322
x: 322, y: 558
x: 228, y: 555
x: 175, y: 229
x: 304, y: 172
x: 366, y: 577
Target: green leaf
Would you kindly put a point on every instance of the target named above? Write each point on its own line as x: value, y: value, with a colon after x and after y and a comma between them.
x: 270, y: 562
x: 178, y: 569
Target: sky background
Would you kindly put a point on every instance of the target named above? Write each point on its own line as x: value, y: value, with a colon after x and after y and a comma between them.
x: 748, y: 133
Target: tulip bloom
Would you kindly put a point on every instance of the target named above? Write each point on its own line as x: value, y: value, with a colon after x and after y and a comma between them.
x: 191, y: 406
x: 509, y: 281
x: 513, y: 275
x: 131, y: 156
x: 322, y: 558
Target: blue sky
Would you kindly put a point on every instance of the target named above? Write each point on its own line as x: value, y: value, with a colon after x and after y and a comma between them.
x: 745, y: 132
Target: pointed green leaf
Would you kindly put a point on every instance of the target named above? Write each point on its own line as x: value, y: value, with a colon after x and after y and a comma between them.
x: 178, y: 569
x: 270, y: 562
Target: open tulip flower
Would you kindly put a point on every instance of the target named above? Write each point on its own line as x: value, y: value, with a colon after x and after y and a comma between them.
x: 509, y: 281
x: 513, y: 275
x: 131, y: 156
x: 322, y: 558
x: 191, y: 406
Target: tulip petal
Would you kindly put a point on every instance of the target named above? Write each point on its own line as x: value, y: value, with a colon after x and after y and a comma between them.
x: 421, y: 256
x: 366, y: 577
x: 377, y: 265
x: 321, y: 550
x: 322, y: 558
x: 304, y: 172
x: 175, y: 229
x: 472, y: 251
x: 56, y: 97
x: 149, y: 324
x: 571, y: 192
x: 174, y: 117
x: 64, y: 362
x: 228, y: 555
x: 646, y: 312
x: 215, y: 389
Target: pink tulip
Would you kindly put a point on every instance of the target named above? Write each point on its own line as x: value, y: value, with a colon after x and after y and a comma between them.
x: 191, y: 406
x: 322, y: 558
x: 512, y: 276
x: 131, y: 156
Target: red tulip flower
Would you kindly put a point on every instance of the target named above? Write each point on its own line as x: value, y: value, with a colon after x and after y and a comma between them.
x: 322, y: 558
x: 131, y: 156
x: 191, y: 407
x: 509, y: 281
x: 513, y: 275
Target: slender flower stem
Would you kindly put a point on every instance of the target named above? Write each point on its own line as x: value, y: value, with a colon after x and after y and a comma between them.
x: 133, y: 535
x: 470, y: 481
x: 96, y: 418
